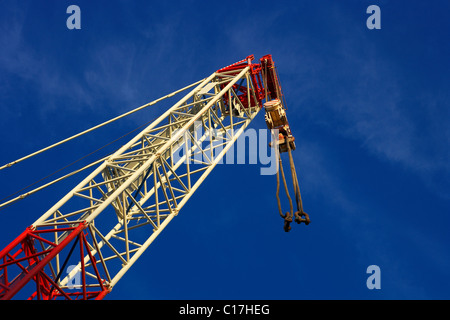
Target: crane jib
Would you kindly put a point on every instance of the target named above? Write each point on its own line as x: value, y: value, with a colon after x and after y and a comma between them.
x: 108, y: 220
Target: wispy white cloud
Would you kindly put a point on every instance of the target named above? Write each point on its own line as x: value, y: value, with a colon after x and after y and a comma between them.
x: 19, y: 59
x: 359, y: 93
x: 111, y: 76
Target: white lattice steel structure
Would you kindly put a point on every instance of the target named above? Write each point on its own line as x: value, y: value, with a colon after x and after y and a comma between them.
x: 118, y: 210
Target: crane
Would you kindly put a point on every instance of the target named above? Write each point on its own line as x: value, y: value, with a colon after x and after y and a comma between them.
x: 107, y: 221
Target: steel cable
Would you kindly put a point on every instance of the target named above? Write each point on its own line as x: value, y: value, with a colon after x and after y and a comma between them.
x: 3, y: 205
x: 97, y: 126
x: 288, y: 216
x: 299, y: 214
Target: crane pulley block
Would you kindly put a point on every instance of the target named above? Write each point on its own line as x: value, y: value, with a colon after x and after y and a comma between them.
x: 276, y: 120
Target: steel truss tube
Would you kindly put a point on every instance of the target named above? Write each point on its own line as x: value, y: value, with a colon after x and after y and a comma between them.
x: 140, y: 166
x: 145, y: 166
x: 179, y: 206
x: 35, y: 270
x: 111, y: 234
x: 106, y: 238
x: 118, y: 152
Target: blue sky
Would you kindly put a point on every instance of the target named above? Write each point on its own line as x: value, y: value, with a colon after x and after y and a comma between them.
x: 369, y: 110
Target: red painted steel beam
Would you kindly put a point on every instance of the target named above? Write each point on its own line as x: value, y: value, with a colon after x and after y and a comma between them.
x: 42, y: 263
